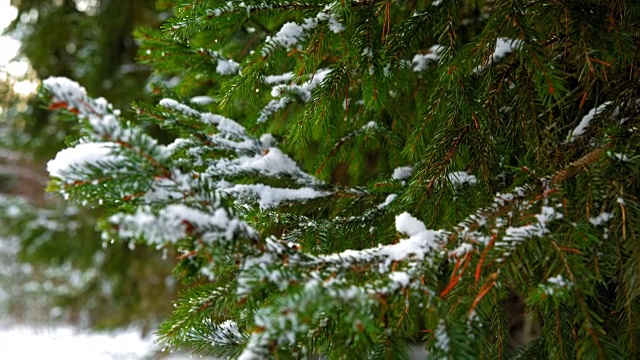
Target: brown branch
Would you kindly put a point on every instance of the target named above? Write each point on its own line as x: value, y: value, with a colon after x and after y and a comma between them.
x: 575, y: 167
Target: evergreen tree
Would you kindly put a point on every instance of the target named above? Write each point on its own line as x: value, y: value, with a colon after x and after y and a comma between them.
x: 350, y: 176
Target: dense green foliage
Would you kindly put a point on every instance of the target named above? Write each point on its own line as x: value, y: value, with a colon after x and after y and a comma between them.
x: 515, y: 138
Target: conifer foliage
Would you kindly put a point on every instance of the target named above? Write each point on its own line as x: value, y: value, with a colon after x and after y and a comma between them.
x: 350, y: 176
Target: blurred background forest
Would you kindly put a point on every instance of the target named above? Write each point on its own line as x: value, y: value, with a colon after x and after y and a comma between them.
x: 54, y: 267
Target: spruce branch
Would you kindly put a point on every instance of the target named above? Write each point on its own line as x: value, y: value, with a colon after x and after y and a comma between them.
x: 365, y: 176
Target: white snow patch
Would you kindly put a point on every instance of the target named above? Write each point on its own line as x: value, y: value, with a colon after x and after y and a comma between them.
x: 558, y: 280
x: 442, y: 339
x: 289, y: 92
x: 70, y: 344
x: 421, y: 62
x: 74, y: 97
x: 226, y: 333
x: 227, y: 67
x: 400, y: 279
x: 225, y: 125
x: 582, y: 126
x: 278, y: 79
x: 505, y: 46
x: 272, y: 107
x: 554, y: 284
x: 335, y: 26
x: 268, y: 196
x: 369, y: 125
x: 387, y: 201
x: 291, y: 33
x: 174, y: 105
x: 420, y: 239
x: 600, y: 219
x: 420, y: 242
x: 177, y: 221
x: 407, y: 224
x: 537, y: 229
x: 202, y: 100
x: 274, y: 161
x: 80, y: 155
x: 402, y: 173
x: 460, y: 178
x: 271, y: 162
x: 304, y: 90
x: 461, y: 250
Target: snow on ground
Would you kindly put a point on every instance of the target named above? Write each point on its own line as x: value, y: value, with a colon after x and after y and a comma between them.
x: 67, y: 343
x: 20, y: 342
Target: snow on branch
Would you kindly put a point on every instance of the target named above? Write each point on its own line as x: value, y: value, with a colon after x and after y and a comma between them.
x: 537, y: 228
x: 273, y: 107
x: 226, y: 333
x: 420, y: 243
x: 294, y: 317
x: 269, y: 196
x: 402, y: 173
x: 81, y: 155
x: 468, y: 233
x: 177, y: 221
x: 555, y: 285
x: 254, y: 156
x: 321, y: 292
x: 409, y: 257
x: 291, y: 33
x: 68, y: 94
x: 503, y: 47
x: 287, y: 93
x: 442, y: 338
x: 601, y: 219
x: 302, y: 91
x: 278, y: 79
x: 271, y: 162
x: 110, y: 136
x: 582, y: 126
x: 228, y: 128
x: 499, y: 213
x: 461, y: 178
x: 420, y: 62
x: 227, y: 67
x: 103, y: 119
